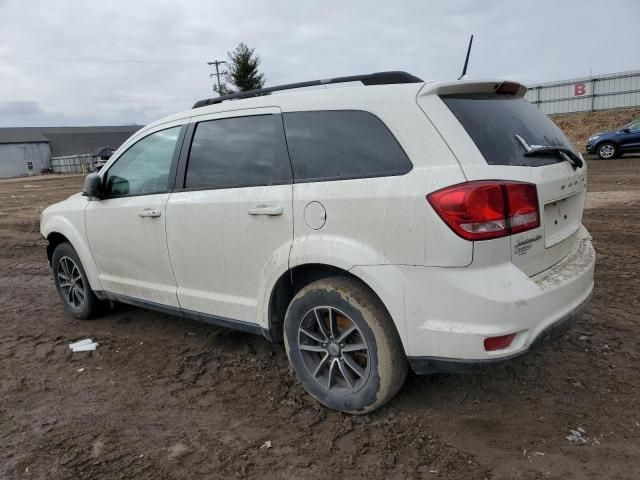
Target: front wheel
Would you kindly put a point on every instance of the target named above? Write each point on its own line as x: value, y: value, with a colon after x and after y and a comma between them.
x: 71, y: 282
x: 343, y: 346
x: 607, y: 150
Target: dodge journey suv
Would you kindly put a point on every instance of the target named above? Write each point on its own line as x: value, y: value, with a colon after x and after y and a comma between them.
x: 375, y: 228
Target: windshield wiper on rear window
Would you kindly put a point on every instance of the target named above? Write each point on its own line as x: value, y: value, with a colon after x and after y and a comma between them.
x: 564, y: 153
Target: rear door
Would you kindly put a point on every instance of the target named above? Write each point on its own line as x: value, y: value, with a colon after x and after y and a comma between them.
x: 229, y: 221
x: 480, y: 123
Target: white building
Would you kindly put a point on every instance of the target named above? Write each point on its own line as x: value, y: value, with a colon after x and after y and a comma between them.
x: 23, y: 152
x: 587, y: 94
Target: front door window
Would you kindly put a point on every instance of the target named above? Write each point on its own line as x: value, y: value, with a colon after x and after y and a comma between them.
x: 144, y: 168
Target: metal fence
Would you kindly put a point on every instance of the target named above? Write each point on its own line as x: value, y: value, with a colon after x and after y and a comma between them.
x: 73, y: 164
x: 602, y: 92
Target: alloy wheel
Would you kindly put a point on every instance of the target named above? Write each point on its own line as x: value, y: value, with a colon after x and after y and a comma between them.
x: 607, y: 151
x: 334, y: 350
x: 70, y: 282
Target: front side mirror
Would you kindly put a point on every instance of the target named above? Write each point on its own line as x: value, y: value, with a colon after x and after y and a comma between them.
x: 118, y: 185
x: 93, y: 186
x: 625, y: 130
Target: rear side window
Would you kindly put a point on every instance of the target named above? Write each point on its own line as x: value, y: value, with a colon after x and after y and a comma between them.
x: 493, y: 121
x: 339, y: 145
x: 238, y: 152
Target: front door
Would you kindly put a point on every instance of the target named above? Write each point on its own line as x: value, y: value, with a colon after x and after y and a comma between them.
x: 232, y: 220
x: 126, y: 228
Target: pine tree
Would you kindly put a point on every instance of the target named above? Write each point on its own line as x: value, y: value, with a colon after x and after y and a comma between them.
x: 223, y: 90
x: 243, y: 68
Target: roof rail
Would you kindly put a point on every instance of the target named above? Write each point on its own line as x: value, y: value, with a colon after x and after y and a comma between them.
x: 379, y: 78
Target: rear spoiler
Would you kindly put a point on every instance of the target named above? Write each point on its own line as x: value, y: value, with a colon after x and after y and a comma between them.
x: 470, y: 86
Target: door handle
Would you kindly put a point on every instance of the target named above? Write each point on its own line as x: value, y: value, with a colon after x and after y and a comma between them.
x: 149, y: 212
x: 271, y: 210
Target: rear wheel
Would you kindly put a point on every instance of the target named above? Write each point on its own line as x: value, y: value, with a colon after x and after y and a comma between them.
x: 343, y: 346
x: 607, y: 150
x: 72, y: 284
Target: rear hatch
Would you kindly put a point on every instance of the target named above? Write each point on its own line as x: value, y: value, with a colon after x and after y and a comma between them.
x: 489, y: 126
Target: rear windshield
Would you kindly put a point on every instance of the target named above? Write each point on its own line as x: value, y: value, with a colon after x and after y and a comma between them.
x: 493, y: 121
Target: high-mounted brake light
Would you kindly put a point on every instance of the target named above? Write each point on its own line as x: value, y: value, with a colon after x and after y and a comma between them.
x: 510, y: 88
x: 486, y: 209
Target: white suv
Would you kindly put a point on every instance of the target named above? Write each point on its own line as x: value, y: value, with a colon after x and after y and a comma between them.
x: 372, y: 228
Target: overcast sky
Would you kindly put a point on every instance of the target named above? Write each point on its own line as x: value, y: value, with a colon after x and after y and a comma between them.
x: 92, y: 62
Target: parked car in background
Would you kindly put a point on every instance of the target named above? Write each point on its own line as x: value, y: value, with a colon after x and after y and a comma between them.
x: 613, y: 144
x: 101, y: 156
x: 372, y: 229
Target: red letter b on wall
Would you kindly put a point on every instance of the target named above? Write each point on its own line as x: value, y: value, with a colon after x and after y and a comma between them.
x: 579, y: 89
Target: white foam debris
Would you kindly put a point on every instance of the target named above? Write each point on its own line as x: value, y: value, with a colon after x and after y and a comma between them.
x: 579, y: 437
x: 85, y: 345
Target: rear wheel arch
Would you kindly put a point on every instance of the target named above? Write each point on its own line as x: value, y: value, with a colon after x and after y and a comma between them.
x: 294, y: 280
x: 343, y: 345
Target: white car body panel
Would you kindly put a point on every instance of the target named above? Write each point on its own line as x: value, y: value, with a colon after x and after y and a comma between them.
x: 67, y: 218
x: 221, y: 255
x: 465, y: 306
x: 130, y: 251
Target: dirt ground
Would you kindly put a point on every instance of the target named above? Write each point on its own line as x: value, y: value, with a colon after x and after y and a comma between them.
x: 165, y: 397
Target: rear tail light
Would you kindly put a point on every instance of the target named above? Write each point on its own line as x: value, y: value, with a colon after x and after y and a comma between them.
x: 498, y: 343
x: 482, y: 210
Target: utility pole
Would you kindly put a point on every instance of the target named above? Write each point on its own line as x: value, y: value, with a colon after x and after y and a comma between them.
x: 217, y: 64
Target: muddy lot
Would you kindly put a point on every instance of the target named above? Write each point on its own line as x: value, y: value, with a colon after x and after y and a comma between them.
x: 164, y: 397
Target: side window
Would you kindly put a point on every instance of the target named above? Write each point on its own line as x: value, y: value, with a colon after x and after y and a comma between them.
x: 634, y: 127
x: 338, y: 145
x: 145, y: 166
x: 238, y: 152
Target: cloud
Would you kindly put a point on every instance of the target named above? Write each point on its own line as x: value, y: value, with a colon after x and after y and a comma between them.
x: 61, y: 63
x: 20, y: 108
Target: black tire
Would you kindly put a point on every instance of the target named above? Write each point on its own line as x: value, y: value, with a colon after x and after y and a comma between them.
x: 608, y: 150
x: 347, y: 378
x: 65, y: 263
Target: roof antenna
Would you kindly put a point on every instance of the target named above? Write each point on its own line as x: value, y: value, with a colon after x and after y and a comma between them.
x: 466, y: 61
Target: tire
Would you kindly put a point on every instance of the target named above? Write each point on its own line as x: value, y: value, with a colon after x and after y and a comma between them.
x: 362, y: 371
x: 71, y: 282
x: 607, y: 150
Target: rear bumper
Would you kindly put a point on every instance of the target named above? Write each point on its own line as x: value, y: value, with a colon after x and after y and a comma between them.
x: 428, y: 365
x: 443, y: 315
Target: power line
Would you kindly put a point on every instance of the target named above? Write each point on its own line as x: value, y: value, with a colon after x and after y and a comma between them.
x: 96, y: 60
x: 134, y: 100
